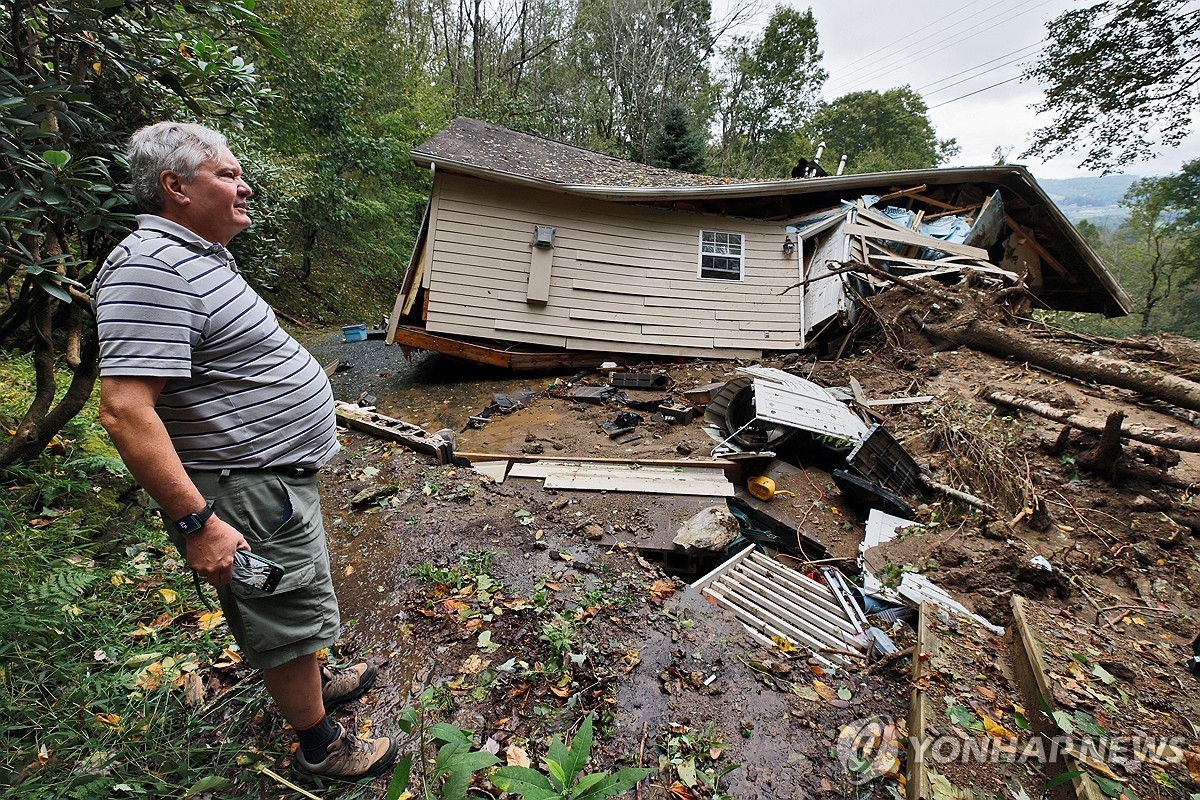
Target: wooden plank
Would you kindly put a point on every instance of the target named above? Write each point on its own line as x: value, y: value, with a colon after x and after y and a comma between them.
x: 538, y: 469
x: 908, y: 237
x: 728, y: 566
x: 902, y: 193
x: 900, y: 401
x: 716, y: 463
x: 948, y: 264
x: 1033, y: 676
x: 917, y: 783
x: 637, y: 483
x: 752, y: 619
x: 423, y: 340
x: 514, y: 359
x: 1041, y: 250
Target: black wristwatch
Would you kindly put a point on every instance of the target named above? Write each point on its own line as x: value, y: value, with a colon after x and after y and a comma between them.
x: 193, y: 522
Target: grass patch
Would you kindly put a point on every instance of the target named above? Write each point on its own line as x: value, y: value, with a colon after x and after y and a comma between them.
x: 113, y: 683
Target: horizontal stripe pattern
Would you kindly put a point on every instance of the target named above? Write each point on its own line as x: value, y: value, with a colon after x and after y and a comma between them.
x: 240, y: 392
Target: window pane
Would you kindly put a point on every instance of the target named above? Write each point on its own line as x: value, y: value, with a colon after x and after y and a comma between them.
x: 721, y: 255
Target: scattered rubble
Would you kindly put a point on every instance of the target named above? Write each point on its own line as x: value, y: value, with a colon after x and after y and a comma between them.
x: 992, y: 493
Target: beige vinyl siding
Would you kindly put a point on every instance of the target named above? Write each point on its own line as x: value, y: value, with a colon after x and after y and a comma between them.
x: 624, y: 278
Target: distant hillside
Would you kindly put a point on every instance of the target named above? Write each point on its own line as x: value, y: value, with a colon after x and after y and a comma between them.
x: 1092, y: 197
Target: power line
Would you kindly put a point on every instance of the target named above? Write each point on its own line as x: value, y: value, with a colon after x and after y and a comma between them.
x: 863, y: 65
x: 1022, y: 51
x: 908, y: 61
x: 972, y: 94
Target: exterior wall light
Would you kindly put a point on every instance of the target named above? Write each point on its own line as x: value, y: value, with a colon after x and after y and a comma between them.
x: 789, y: 246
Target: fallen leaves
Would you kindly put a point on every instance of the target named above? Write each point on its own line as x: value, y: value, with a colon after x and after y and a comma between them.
x: 661, y: 589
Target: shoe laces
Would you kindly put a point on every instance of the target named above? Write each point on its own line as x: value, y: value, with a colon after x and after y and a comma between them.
x: 353, y: 745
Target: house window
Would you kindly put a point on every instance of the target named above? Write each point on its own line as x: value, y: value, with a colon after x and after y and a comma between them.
x: 721, y: 255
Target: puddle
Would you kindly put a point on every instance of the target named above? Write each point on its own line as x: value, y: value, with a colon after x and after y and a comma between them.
x: 429, y: 389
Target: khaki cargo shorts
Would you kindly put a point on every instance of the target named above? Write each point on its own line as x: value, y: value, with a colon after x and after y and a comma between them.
x: 280, y: 516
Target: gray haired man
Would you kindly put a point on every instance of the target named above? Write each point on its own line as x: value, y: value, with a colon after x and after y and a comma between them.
x: 225, y: 419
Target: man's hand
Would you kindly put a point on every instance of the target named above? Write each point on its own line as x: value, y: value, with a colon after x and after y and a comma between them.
x: 210, y: 550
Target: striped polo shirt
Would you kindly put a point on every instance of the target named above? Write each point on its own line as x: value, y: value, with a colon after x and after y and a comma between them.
x: 240, y: 392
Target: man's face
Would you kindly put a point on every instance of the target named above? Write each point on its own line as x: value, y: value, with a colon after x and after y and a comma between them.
x: 216, y: 199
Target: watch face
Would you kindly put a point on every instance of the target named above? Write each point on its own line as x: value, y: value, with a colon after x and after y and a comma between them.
x: 190, y: 524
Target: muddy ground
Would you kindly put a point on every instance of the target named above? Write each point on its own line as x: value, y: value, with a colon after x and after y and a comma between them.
x: 493, y: 600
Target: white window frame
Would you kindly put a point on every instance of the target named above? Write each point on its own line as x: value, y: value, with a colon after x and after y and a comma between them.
x: 717, y: 247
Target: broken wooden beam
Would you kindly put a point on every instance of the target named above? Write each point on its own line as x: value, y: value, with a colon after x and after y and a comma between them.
x: 394, y: 430
x: 908, y: 237
x: 1188, y: 443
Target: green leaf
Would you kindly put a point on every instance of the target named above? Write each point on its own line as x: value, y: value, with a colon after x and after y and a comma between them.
x: 1059, y: 780
x: 558, y: 776
x: 581, y: 750
x: 55, y: 197
x: 472, y: 761
x: 52, y: 288
x: 520, y: 780
x: 963, y: 717
x: 56, y: 158
x: 686, y: 770
x: 399, y: 782
x: 617, y: 783
x: 1104, y: 675
x: 1087, y: 723
x: 587, y: 784
x: 1110, y: 787
x: 407, y: 720
x: 209, y: 783
x: 455, y: 786
x: 1063, y: 720
x: 447, y: 733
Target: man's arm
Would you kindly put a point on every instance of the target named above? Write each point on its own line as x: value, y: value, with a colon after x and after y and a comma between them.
x: 127, y: 413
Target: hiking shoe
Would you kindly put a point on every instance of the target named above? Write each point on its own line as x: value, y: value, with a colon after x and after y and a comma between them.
x: 350, y: 757
x: 340, y: 686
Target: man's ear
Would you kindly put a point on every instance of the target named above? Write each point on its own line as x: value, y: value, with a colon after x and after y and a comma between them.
x: 172, y: 187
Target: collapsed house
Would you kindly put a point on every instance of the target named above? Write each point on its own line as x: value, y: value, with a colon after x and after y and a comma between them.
x: 533, y: 250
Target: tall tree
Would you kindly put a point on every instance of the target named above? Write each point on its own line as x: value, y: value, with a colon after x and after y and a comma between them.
x: 344, y: 119
x: 630, y: 58
x: 77, y: 79
x: 1121, y: 77
x: 1146, y: 251
x: 677, y: 144
x: 769, y: 87
x: 878, y: 132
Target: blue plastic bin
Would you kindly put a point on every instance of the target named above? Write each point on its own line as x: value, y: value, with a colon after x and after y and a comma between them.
x: 354, y: 333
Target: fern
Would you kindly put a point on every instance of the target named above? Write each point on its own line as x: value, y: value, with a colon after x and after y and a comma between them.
x: 94, y: 464
x: 66, y: 584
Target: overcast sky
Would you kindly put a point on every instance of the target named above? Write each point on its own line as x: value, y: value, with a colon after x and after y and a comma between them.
x: 951, y: 52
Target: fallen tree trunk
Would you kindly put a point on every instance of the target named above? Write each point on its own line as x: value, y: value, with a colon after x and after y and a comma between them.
x: 1188, y: 443
x: 992, y: 337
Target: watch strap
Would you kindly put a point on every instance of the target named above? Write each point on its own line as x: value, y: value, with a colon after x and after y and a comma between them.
x: 193, y: 522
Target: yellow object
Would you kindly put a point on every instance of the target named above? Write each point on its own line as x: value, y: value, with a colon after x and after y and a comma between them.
x: 761, y: 487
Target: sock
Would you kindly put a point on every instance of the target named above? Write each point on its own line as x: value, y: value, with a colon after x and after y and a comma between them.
x: 315, y: 741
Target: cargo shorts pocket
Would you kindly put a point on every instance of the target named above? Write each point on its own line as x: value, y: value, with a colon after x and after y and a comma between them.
x: 277, y: 523
x: 290, y: 614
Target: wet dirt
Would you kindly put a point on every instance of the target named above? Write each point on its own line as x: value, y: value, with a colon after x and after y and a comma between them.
x: 493, y: 600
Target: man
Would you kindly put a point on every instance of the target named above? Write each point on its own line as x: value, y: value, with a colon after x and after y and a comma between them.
x: 224, y: 419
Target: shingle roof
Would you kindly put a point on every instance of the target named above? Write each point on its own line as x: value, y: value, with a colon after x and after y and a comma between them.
x: 493, y: 148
